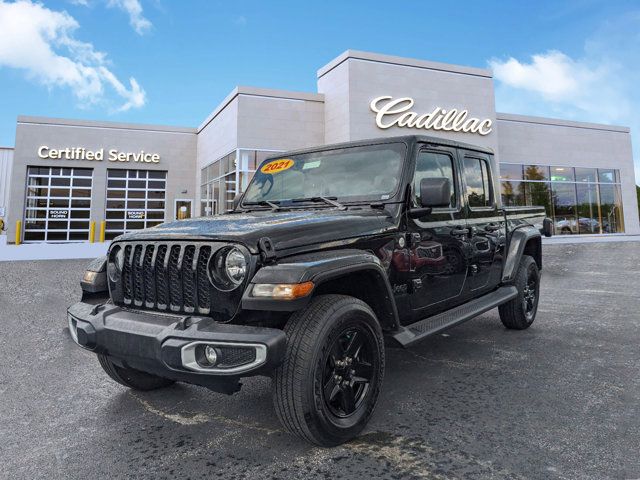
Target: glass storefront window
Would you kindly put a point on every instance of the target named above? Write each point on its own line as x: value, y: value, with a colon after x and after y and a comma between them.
x: 510, y: 171
x: 564, y: 207
x: 536, y: 172
x: 585, y: 174
x: 221, y: 180
x: 608, y: 175
x: 588, y: 208
x: 579, y: 200
x: 562, y: 174
x: 611, y: 205
x: 538, y: 193
x: 513, y: 194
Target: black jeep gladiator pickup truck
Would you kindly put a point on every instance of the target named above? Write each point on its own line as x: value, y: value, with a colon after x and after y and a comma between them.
x: 331, y: 253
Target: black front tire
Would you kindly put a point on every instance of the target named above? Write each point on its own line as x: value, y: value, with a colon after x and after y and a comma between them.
x: 131, y: 378
x: 328, y: 385
x: 519, y: 313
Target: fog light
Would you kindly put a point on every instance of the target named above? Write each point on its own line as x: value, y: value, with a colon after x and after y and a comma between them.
x: 211, y: 355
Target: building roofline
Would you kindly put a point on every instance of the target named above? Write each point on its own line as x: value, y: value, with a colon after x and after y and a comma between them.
x: 403, y: 61
x: 260, y: 92
x: 512, y: 117
x: 26, y: 119
x: 383, y: 140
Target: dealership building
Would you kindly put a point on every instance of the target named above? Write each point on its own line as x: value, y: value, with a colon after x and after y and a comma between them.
x: 63, y: 176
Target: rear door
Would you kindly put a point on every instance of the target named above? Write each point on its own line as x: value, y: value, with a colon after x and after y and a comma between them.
x: 484, y: 222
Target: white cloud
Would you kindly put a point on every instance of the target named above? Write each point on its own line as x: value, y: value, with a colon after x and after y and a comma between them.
x: 133, y: 8
x: 41, y: 42
x: 598, y: 86
x: 584, y: 88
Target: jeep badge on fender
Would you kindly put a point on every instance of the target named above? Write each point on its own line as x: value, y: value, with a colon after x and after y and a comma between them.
x: 330, y: 254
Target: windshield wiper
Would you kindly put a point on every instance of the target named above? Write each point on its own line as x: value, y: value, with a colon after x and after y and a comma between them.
x: 328, y: 200
x: 265, y: 203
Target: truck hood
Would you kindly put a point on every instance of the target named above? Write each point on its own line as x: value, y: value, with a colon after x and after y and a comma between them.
x: 286, y: 229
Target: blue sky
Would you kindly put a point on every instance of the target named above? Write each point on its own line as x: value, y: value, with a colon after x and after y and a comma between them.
x: 171, y: 62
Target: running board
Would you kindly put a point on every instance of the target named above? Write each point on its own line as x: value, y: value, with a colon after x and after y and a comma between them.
x: 415, y: 332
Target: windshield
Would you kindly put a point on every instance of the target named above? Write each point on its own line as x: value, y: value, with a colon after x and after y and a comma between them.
x: 355, y: 173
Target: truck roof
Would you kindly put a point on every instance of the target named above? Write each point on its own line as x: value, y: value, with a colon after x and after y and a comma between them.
x: 410, y: 139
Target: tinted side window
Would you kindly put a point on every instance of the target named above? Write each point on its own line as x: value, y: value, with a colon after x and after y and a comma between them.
x: 432, y: 165
x: 476, y: 174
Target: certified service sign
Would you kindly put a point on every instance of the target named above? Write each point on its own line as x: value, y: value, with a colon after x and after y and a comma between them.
x: 81, y: 153
x: 397, y: 112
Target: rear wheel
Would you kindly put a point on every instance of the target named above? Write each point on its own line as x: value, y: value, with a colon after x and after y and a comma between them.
x: 520, y: 312
x: 131, y: 378
x: 327, y: 387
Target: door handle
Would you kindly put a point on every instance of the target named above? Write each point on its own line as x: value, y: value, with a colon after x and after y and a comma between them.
x: 460, y: 231
x: 492, y: 227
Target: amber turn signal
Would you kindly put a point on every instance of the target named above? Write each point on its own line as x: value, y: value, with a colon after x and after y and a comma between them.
x: 282, y: 291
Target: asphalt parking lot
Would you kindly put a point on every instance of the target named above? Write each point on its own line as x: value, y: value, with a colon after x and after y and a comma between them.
x: 560, y: 400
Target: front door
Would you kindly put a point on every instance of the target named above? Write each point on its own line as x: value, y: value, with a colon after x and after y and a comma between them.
x: 438, y: 244
x: 484, y: 222
x: 183, y: 209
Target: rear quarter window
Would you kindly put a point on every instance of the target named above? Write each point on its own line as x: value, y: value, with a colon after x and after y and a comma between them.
x: 478, y: 181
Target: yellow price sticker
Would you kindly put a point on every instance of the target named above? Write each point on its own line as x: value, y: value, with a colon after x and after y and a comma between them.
x: 277, y: 166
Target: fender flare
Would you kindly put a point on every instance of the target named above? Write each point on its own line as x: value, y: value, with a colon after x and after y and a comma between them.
x: 516, y: 248
x: 321, y: 268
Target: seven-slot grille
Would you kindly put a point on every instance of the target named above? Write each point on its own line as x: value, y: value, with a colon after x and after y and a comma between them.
x: 171, y: 277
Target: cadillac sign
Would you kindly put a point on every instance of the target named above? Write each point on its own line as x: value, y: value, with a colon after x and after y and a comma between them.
x: 397, y: 112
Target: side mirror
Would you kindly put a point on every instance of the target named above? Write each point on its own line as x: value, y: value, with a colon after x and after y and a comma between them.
x: 236, y: 200
x: 435, y: 192
x: 547, y: 227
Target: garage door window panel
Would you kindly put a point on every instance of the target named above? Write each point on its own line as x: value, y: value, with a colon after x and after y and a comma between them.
x: 48, y: 211
x: 140, y: 204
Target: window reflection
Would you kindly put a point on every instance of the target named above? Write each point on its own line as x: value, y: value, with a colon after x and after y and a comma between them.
x: 536, y: 172
x: 588, y: 209
x: 611, y: 205
x: 562, y: 174
x: 585, y: 175
x: 511, y: 171
x: 226, y: 176
x: 608, y: 175
x: 564, y: 207
x: 579, y: 200
x: 476, y: 173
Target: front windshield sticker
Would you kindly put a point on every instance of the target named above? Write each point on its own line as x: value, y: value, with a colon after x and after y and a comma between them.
x: 308, y: 165
x: 277, y: 166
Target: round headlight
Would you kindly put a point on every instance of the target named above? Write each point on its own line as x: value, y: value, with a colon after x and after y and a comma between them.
x: 116, y: 262
x: 235, y: 266
x: 227, y: 268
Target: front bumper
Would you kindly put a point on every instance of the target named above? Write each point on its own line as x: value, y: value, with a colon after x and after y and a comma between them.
x: 165, y: 345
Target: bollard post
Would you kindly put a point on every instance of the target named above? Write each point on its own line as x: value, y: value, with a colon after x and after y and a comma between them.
x: 92, y: 231
x: 18, y: 231
x: 103, y: 226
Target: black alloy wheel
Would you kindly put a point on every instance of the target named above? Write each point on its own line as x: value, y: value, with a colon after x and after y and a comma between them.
x: 530, y: 294
x: 329, y: 382
x: 348, y: 371
x: 520, y: 312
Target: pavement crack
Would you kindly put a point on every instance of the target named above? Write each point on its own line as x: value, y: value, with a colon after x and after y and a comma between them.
x: 201, y: 418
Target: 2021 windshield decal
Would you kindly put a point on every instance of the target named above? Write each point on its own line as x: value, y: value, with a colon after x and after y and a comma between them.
x: 392, y: 112
x: 277, y: 166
